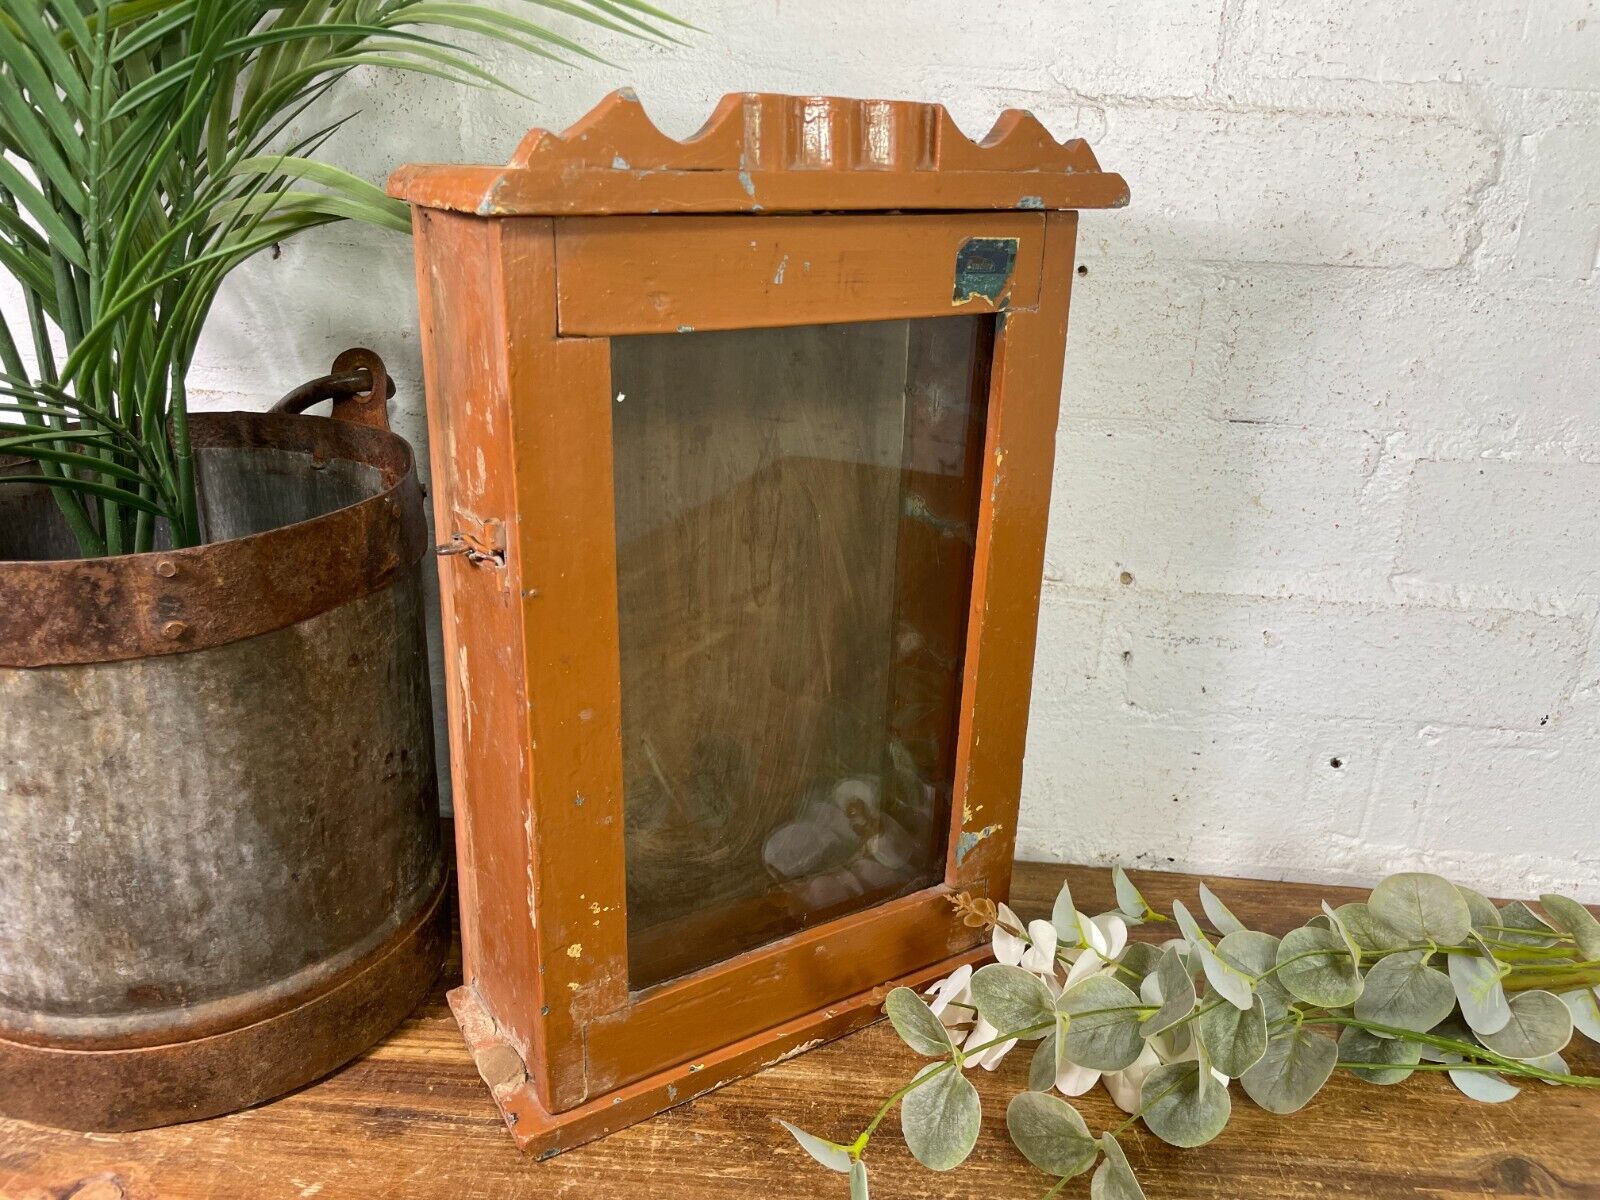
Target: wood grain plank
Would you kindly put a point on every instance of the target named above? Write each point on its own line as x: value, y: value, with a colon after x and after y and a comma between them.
x: 412, y: 1119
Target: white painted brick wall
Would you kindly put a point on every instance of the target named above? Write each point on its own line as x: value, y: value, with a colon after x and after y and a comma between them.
x: 1331, y: 399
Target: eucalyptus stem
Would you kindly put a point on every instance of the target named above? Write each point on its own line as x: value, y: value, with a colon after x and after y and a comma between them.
x: 1580, y: 1081
x: 1500, y: 1062
x: 859, y: 1146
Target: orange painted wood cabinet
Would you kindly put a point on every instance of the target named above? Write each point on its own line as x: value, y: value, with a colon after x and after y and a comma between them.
x: 742, y: 449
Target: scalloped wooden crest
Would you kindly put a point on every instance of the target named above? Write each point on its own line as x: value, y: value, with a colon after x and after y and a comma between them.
x: 877, y: 154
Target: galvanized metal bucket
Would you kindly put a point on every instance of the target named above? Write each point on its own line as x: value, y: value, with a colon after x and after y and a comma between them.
x: 220, y: 865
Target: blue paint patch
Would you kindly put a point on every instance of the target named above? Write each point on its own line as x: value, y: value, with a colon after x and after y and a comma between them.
x: 968, y: 842
x: 748, y: 184
x: 1031, y: 202
x: 983, y: 268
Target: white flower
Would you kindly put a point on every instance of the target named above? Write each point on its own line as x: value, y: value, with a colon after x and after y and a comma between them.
x: 951, y: 998
x: 1114, y: 930
x: 1008, y: 947
x: 1086, y: 964
x: 1126, y: 1085
x: 1073, y: 1080
x: 1040, y: 958
x: 988, y: 1059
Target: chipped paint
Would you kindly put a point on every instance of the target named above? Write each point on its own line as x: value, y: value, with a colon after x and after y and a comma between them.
x: 968, y: 842
x: 575, y: 950
x: 1031, y: 202
x: 619, y: 163
x: 984, y: 266
x: 748, y: 184
x: 783, y: 264
x: 685, y: 328
x: 793, y: 1052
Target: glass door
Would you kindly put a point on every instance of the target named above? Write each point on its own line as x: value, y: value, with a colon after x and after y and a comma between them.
x: 796, y: 515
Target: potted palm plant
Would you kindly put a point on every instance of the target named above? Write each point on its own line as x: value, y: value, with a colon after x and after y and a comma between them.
x: 219, y: 867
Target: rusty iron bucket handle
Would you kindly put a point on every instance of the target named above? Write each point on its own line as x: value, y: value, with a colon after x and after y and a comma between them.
x: 355, y: 384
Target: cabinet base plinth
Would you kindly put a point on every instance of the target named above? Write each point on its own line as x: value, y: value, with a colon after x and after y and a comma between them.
x: 543, y: 1133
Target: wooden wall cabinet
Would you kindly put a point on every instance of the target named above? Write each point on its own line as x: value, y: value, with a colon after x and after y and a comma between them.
x: 743, y: 446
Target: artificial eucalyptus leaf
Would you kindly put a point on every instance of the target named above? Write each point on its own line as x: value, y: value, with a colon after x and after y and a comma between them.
x: 1256, y: 954
x: 1188, y: 925
x: 1204, y: 1079
x: 1179, y: 1110
x: 1050, y: 1134
x: 940, y: 1118
x: 1368, y: 931
x: 1114, y: 1180
x: 1218, y: 913
x: 916, y: 1023
x: 1402, y: 990
x: 1571, y: 917
x: 1065, y: 918
x: 1103, y: 1030
x: 830, y: 1154
x: 1315, y: 965
x: 1539, y: 1025
x: 1130, y: 902
x: 858, y: 1180
x: 1521, y: 926
x: 1172, y: 983
x: 1423, y: 907
x: 1584, y: 1005
x: 1226, y: 981
x: 1480, y: 907
x: 1297, y: 1063
x: 1234, y: 1039
x: 1476, y: 980
x: 1484, y: 1086
x: 1012, y: 999
x: 1335, y: 923
x: 1138, y: 961
x: 1048, y: 1059
x: 1396, y: 1055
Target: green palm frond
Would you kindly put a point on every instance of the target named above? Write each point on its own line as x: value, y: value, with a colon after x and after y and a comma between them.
x: 144, y: 153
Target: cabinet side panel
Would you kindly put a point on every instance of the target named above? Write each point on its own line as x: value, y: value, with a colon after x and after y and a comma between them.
x: 463, y: 344
x: 1024, y: 402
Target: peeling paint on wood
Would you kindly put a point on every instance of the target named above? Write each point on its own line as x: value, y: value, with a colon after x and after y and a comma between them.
x: 967, y: 842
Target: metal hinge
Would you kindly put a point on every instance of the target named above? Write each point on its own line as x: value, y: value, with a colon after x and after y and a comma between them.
x: 485, y: 543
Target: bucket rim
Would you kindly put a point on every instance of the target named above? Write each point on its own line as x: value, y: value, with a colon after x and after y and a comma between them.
x: 74, y: 611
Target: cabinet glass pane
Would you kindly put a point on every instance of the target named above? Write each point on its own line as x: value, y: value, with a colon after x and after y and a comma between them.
x: 796, y: 512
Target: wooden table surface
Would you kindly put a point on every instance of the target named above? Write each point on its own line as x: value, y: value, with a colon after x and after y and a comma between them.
x: 412, y: 1120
